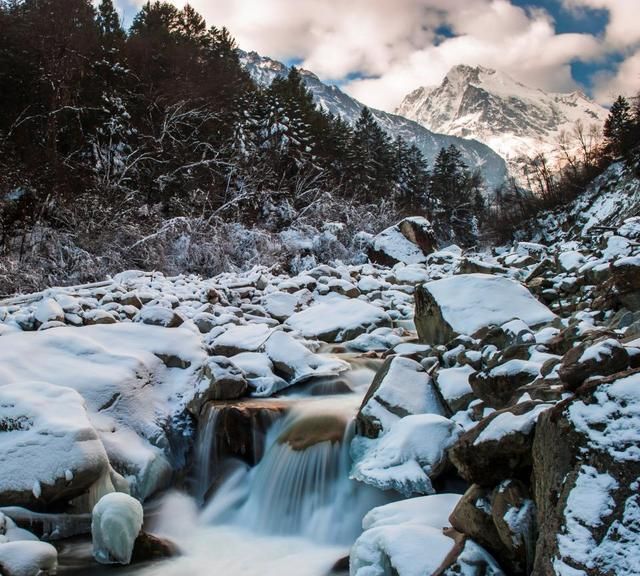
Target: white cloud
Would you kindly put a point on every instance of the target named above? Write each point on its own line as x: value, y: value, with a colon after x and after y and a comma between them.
x: 396, y: 45
x: 625, y: 80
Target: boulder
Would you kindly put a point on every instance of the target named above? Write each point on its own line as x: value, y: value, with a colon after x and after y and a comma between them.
x: 221, y: 380
x: 159, y: 316
x: 626, y: 278
x: 499, y: 447
x: 400, y: 388
x: 497, y: 386
x: 49, y: 450
x: 588, y: 360
x: 586, y: 473
x: 467, y: 303
x: 338, y: 319
x: 410, y: 242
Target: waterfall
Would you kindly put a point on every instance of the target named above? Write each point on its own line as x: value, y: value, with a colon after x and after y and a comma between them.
x: 301, y: 486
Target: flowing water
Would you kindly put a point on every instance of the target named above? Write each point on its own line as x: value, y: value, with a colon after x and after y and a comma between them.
x: 295, y: 512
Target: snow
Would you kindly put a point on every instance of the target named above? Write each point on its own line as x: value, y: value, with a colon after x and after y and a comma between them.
x: 612, y: 424
x: 405, y: 457
x: 588, y: 504
x: 454, y: 382
x: 47, y: 310
x: 571, y: 260
x: 259, y: 372
x: 507, y: 423
x: 408, y: 534
x: 336, y: 317
x: 9, y: 532
x: 115, y: 524
x: 405, y: 389
x: 469, y: 302
x: 128, y: 391
x: 43, y: 422
x: 25, y: 558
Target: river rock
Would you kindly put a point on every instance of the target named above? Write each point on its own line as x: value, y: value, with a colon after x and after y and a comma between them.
x: 586, y: 473
x: 400, y: 388
x: 468, y: 303
x: 626, y: 278
x: 221, y: 380
x: 587, y: 360
x: 409, y: 242
x: 496, y: 387
x: 148, y: 547
x: 338, y: 319
x: 499, y: 447
x: 28, y: 558
x: 60, y: 453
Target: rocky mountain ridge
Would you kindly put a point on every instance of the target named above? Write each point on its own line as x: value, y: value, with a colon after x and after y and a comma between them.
x: 510, y: 117
x: 477, y: 155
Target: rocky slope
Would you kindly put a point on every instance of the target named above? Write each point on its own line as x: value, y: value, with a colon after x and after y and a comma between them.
x: 490, y: 106
x: 477, y: 155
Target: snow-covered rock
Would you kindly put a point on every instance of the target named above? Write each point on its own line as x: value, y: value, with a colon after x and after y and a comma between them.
x: 338, y: 319
x: 408, y: 242
x: 405, y: 537
x: 409, y: 456
x: 28, y: 558
x: 49, y: 450
x: 115, y: 525
x: 400, y: 388
x: 467, y: 303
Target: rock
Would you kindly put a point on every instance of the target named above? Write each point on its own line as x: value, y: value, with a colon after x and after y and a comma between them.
x: 497, y: 386
x: 409, y: 242
x: 148, y: 547
x: 115, y: 525
x: 409, y: 456
x: 400, y: 388
x: 60, y: 455
x: 499, y: 447
x: 453, y: 385
x: 626, y: 278
x: 159, y: 316
x: 97, y: 316
x: 312, y: 429
x: 221, y: 380
x: 514, y: 516
x: 28, y: 558
x: 473, y: 517
x: 586, y: 473
x: 587, y: 360
x: 467, y: 303
x: 338, y: 319
x: 48, y: 310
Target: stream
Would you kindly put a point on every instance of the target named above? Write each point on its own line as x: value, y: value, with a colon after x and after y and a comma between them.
x: 274, y: 499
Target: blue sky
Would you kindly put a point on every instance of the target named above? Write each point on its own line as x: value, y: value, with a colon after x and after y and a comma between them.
x: 379, y: 50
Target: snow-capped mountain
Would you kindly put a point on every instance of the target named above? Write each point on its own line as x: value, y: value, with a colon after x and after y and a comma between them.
x: 492, y: 107
x: 476, y: 154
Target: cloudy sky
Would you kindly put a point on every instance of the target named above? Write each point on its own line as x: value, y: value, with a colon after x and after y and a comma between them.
x: 379, y: 50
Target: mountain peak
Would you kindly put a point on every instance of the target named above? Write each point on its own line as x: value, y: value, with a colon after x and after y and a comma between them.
x: 490, y: 106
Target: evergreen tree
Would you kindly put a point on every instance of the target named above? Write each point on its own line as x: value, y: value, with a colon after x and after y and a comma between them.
x: 619, y: 128
x: 111, y: 32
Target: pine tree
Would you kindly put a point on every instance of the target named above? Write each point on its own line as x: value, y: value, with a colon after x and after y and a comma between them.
x: 111, y: 33
x: 619, y: 128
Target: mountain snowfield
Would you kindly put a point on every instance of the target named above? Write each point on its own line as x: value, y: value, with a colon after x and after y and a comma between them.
x: 476, y: 154
x: 489, y: 106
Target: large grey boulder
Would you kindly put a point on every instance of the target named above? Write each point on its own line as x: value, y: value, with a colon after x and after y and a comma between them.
x: 468, y: 303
